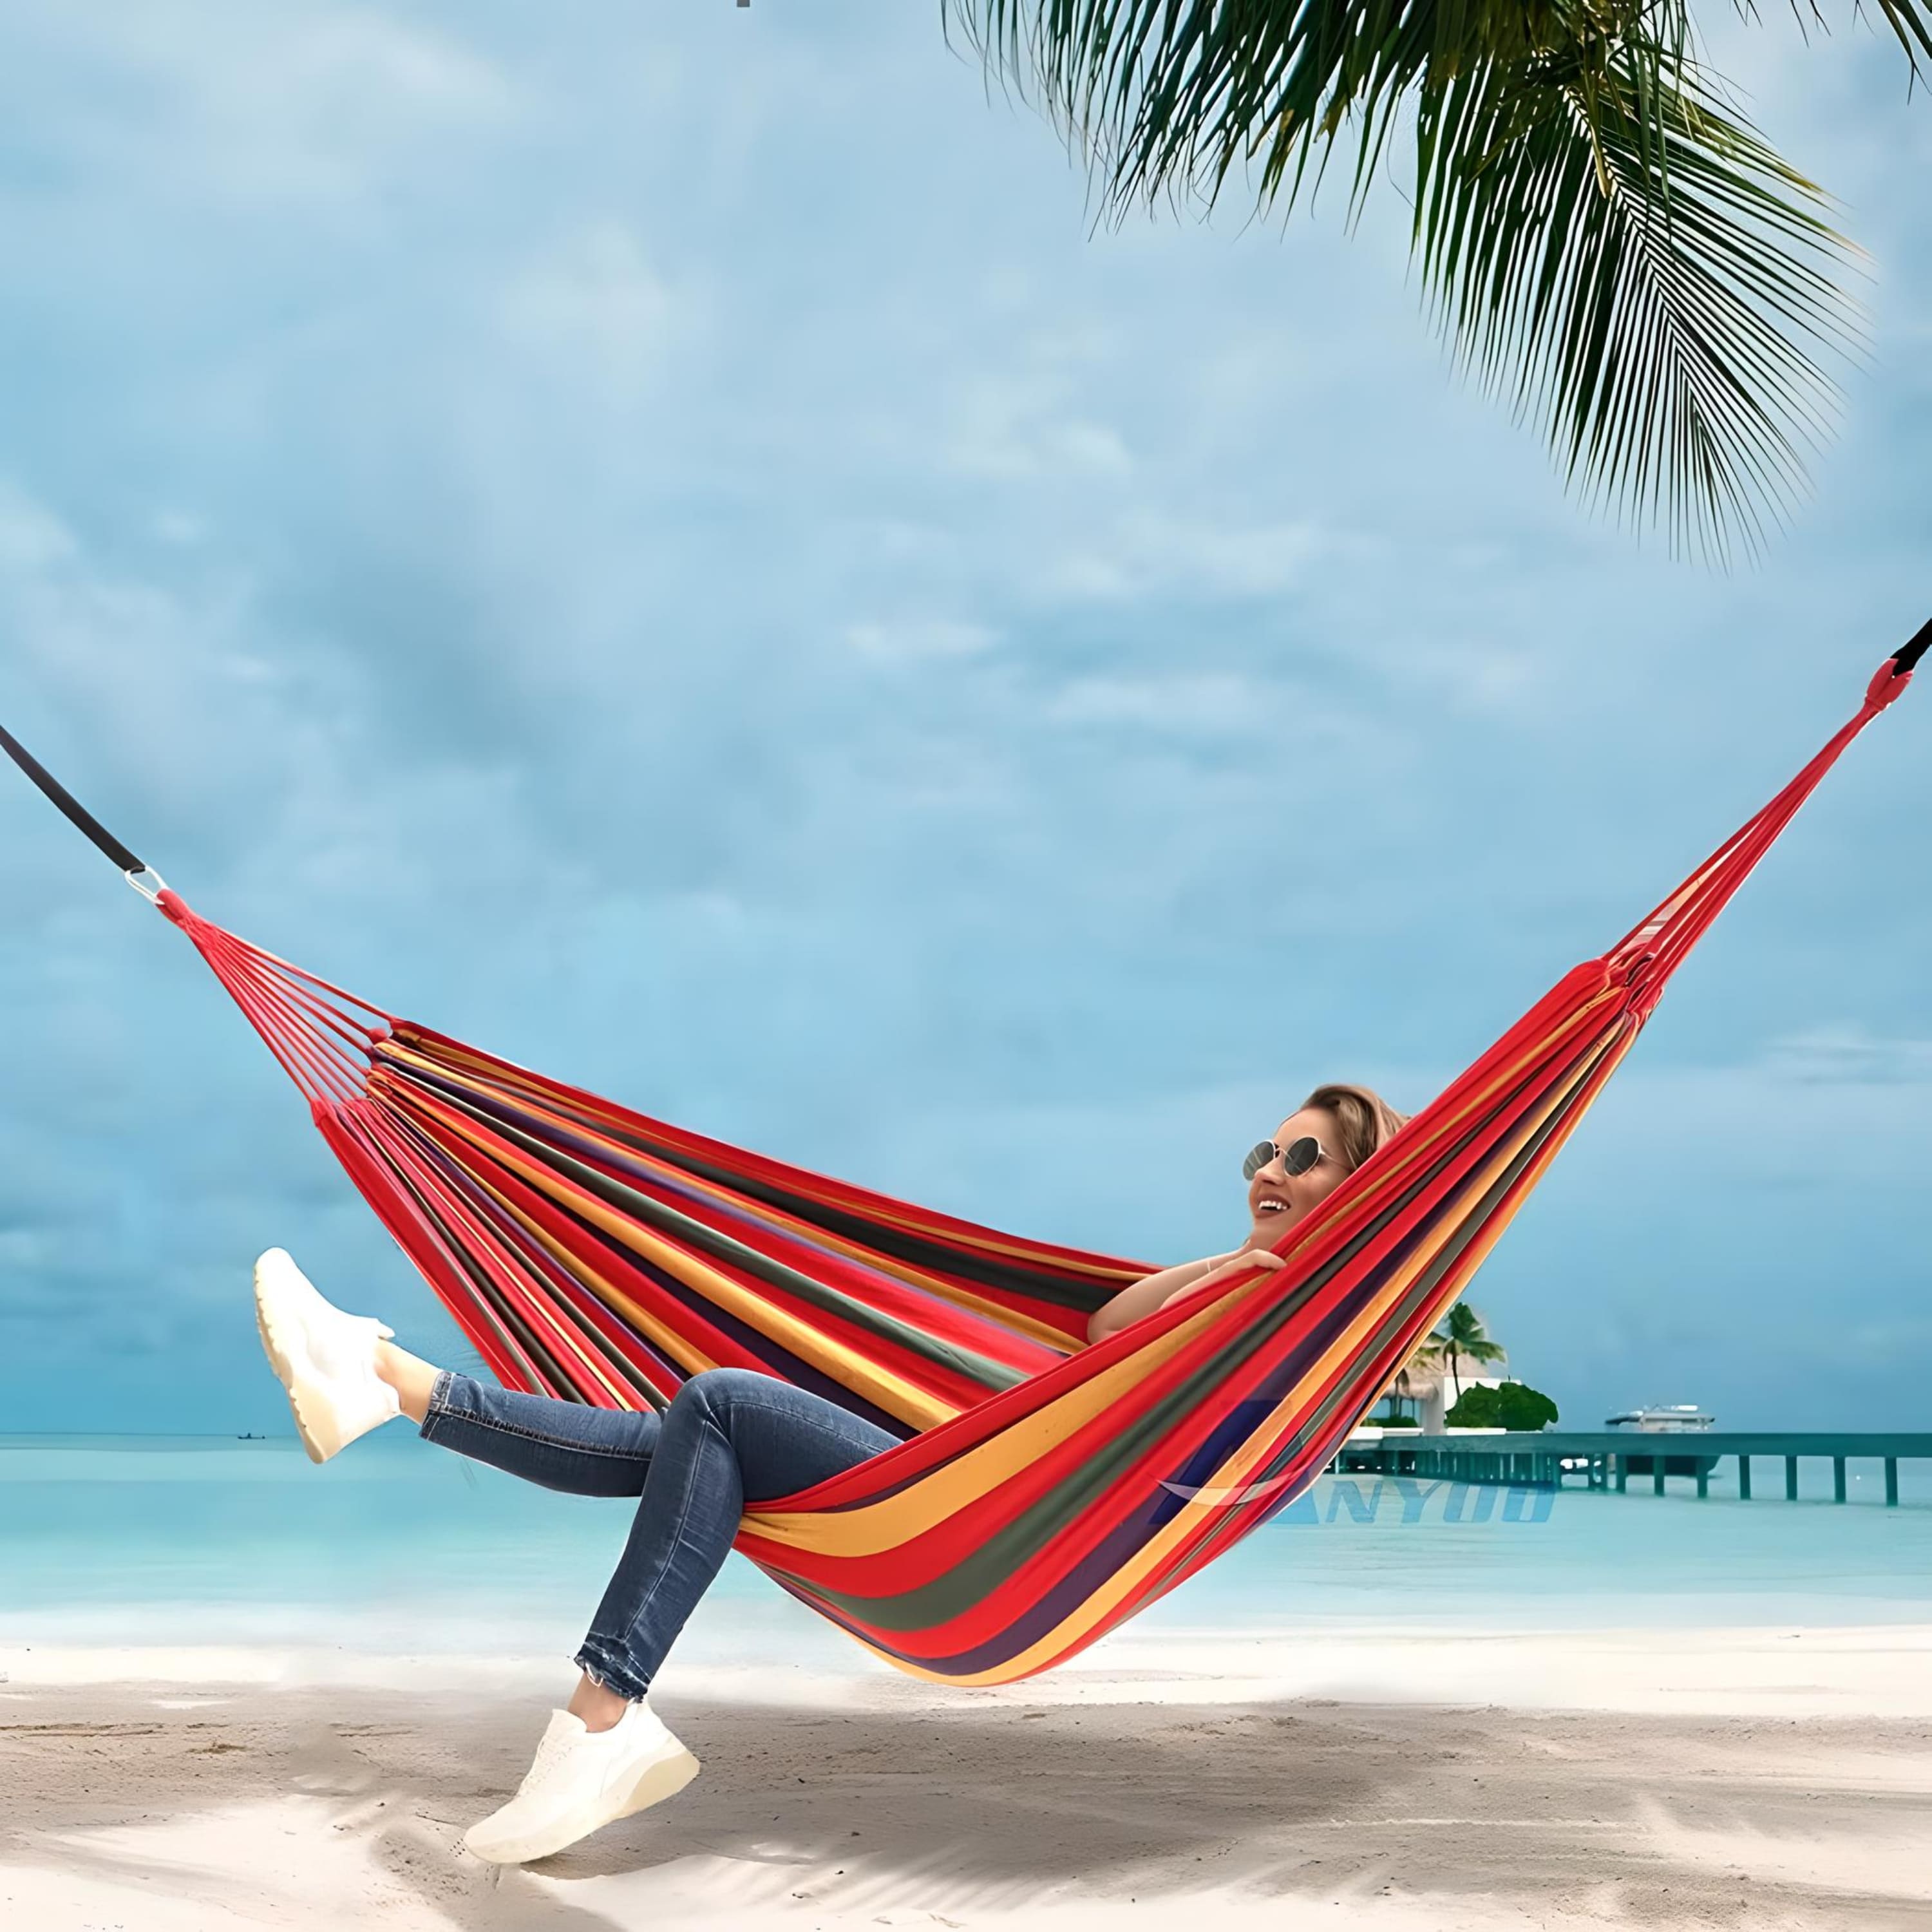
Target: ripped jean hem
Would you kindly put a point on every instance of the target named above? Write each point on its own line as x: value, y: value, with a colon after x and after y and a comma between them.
x: 609, y: 1669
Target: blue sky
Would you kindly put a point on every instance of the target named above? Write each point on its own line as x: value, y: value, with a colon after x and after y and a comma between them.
x: 669, y: 545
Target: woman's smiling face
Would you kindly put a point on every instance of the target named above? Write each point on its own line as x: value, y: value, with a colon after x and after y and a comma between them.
x: 1276, y: 1198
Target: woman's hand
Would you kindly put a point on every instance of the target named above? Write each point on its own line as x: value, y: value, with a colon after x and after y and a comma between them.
x: 1244, y: 1257
x: 1156, y: 1290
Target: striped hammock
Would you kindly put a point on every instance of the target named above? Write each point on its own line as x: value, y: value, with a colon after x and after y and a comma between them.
x: 1043, y: 1490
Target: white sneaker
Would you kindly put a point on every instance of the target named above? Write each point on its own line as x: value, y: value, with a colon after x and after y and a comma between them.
x: 580, y: 1780
x: 326, y: 1360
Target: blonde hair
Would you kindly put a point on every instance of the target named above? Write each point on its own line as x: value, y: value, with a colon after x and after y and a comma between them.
x: 1363, y: 1119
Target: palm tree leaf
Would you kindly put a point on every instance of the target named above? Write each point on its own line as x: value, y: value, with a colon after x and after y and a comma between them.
x: 1911, y: 20
x: 1599, y: 238
x: 1166, y: 97
x: 1642, y: 274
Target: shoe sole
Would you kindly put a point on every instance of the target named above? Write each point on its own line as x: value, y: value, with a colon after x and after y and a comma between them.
x: 664, y: 1777
x: 275, y: 1344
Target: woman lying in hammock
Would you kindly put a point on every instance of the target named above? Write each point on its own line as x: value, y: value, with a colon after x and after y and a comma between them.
x: 729, y: 1434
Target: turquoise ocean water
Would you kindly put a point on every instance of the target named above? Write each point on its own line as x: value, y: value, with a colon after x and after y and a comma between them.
x: 397, y: 1544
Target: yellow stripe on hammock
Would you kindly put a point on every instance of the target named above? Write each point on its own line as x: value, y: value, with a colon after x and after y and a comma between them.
x: 1013, y: 1320
x: 850, y: 1370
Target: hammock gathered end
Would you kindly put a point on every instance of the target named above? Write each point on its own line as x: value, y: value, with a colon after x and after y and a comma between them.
x: 1043, y: 1490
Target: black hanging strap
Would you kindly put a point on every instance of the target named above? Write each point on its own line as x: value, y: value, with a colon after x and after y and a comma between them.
x: 1914, y: 651
x: 81, y: 818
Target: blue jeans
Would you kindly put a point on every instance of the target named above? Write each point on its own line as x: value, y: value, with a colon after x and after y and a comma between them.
x: 728, y: 1435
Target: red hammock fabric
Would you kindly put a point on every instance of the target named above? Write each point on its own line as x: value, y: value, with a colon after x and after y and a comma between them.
x: 1043, y: 1490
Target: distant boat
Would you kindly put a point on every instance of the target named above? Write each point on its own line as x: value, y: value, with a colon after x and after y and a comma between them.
x: 249, y: 1435
x: 1683, y: 1418
x: 1680, y: 1416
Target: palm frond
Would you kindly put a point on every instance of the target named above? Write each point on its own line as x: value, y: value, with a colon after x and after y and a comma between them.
x: 1910, y: 20
x: 1642, y: 274
x: 1166, y: 97
x: 1600, y: 239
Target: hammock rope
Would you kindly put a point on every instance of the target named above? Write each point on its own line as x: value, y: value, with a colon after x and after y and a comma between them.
x: 1042, y: 1490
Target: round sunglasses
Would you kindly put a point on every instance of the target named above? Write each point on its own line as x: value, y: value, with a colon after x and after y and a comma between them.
x: 1297, y: 1157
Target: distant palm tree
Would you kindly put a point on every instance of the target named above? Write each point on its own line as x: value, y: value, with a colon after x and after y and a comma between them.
x: 1600, y: 237
x: 1461, y: 1337
x: 1424, y: 1359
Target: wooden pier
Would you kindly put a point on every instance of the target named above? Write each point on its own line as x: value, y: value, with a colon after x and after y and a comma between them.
x: 1606, y: 1459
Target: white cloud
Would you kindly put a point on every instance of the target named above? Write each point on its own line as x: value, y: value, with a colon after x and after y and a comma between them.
x: 179, y: 527
x: 134, y: 661
x: 1014, y: 428
x: 916, y: 640
x: 1476, y: 676
x: 595, y: 304
x: 310, y: 104
x: 1805, y: 1113
x: 1846, y: 1054
x: 32, y: 540
x: 1188, y: 703
x: 1155, y: 550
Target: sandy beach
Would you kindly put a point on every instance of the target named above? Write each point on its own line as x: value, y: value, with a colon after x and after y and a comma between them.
x: 1748, y: 1779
